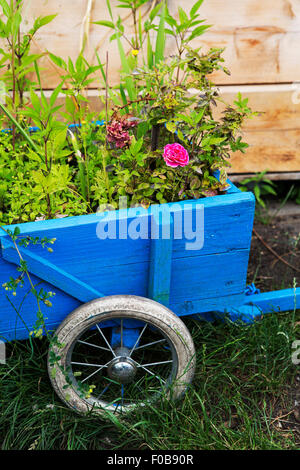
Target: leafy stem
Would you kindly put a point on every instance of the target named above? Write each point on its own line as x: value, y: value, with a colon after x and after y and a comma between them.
x: 20, y: 128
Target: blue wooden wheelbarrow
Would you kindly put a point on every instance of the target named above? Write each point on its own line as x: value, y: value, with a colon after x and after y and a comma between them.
x: 122, y: 281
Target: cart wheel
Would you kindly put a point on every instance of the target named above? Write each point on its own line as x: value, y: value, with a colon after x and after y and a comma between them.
x: 119, y: 352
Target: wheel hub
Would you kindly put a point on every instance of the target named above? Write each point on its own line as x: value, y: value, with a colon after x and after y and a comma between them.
x: 122, y: 368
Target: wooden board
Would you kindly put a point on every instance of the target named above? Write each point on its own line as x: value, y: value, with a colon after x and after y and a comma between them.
x: 261, y: 37
x: 291, y: 176
x: 274, y: 136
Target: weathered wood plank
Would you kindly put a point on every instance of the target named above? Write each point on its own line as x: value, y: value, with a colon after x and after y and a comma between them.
x: 261, y: 38
x: 274, y: 136
x: 292, y: 176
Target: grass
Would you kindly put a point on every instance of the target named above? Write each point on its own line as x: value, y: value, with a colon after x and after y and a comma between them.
x: 243, y: 383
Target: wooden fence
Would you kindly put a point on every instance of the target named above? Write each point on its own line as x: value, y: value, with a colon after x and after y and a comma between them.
x: 261, y: 38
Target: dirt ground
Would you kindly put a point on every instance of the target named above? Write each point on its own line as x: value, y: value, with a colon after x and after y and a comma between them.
x: 281, y: 234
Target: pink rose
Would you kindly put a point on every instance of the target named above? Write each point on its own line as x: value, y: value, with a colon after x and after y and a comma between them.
x: 175, y: 155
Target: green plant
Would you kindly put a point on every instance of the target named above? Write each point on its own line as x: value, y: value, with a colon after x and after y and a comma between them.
x: 171, y: 114
x: 295, y: 195
x: 76, y: 76
x: 166, y: 112
x: 260, y: 185
x: 142, y: 50
x: 17, y: 53
x: 61, y: 171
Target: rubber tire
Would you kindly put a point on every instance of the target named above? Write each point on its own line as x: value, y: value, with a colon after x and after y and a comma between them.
x: 109, y: 307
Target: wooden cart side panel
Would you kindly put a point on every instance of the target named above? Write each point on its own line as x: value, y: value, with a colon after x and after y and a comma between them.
x: 15, y: 329
x: 191, y: 279
x: 80, y: 253
x: 195, y: 281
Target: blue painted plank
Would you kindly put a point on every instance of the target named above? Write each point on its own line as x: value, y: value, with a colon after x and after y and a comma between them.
x: 50, y: 273
x: 269, y: 302
x: 227, y: 227
x: 255, y: 306
x: 206, y: 306
x: 160, y: 268
x: 130, y: 337
x: 198, y: 287
x: 275, y: 301
x: 209, y: 276
x: 220, y: 202
x: 21, y: 333
x: 26, y: 306
x: 78, y: 248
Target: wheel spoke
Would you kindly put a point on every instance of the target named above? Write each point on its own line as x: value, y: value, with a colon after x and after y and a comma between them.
x: 150, y: 372
x: 94, y: 345
x: 98, y: 370
x: 138, y: 339
x: 155, y: 363
x: 156, y: 376
x: 87, y: 364
x: 110, y: 348
x: 150, y: 344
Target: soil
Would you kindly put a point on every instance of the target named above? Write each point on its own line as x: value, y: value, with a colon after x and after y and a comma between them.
x: 282, y: 234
